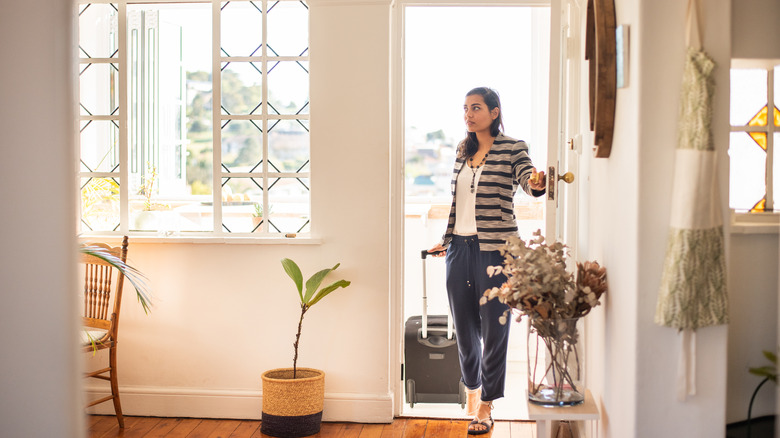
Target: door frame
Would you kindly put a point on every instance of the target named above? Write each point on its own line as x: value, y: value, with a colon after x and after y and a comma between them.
x: 565, y: 139
x: 397, y: 186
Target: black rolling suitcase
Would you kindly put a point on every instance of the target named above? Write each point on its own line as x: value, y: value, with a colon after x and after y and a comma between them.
x: 431, y: 366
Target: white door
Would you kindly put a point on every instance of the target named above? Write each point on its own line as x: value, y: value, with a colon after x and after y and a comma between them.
x: 565, y: 138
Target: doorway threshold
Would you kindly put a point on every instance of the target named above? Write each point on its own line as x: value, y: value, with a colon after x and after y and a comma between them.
x: 512, y: 407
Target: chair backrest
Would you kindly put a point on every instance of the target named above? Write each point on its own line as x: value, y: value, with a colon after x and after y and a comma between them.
x: 101, y: 281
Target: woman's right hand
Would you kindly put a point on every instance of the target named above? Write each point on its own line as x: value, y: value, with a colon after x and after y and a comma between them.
x: 438, y: 251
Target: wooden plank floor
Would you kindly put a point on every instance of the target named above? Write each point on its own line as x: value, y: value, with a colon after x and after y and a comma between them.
x: 105, y: 426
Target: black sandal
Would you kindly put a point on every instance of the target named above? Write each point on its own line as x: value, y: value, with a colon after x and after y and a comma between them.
x: 486, y: 422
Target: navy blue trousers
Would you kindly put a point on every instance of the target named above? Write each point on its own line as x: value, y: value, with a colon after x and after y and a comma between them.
x: 482, y: 339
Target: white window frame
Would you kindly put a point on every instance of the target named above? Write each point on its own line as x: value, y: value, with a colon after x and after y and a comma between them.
x: 764, y: 222
x: 218, y: 232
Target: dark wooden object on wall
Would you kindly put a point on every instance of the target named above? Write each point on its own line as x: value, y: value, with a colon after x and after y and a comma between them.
x: 600, y: 51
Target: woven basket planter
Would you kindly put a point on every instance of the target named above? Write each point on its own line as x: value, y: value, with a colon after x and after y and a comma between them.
x: 292, y: 407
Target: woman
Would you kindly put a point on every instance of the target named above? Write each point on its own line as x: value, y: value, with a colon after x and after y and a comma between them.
x: 488, y: 169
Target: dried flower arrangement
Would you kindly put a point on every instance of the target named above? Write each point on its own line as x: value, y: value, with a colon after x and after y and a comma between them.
x: 538, y: 285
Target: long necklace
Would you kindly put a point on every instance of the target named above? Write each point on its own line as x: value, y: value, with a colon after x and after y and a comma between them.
x: 475, y: 169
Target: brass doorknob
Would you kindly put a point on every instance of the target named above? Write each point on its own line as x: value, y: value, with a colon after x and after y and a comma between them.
x: 567, y: 177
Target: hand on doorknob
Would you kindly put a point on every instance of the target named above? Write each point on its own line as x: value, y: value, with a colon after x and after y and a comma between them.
x: 537, y: 180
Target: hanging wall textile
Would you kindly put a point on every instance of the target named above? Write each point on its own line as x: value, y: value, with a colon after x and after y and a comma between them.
x: 693, y: 284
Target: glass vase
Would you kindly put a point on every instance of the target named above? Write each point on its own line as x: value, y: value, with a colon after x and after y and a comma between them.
x: 554, y: 377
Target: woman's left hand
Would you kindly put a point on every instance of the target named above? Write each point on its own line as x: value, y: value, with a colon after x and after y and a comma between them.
x: 537, y: 181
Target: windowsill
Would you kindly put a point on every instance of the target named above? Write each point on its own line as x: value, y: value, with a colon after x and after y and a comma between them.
x: 208, y: 240
x: 754, y: 223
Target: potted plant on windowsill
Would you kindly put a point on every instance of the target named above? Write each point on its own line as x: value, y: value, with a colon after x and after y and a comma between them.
x: 293, y: 398
x: 147, y: 219
x: 257, y: 216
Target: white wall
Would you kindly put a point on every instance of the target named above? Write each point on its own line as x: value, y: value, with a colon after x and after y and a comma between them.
x: 753, y: 310
x: 754, y: 29
x: 704, y: 414
x: 39, y: 372
x: 629, y: 216
x: 225, y: 313
x: 613, y: 210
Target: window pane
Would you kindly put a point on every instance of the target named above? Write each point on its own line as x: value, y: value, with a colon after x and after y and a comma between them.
x: 171, y: 150
x: 748, y: 94
x: 776, y: 171
x: 288, y: 87
x: 747, y: 172
x: 241, y: 28
x: 290, y: 211
x: 288, y: 28
x: 170, y: 129
x: 760, y: 118
x: 97, y: 30
x: 199, y: 133
x: 99, y: 145
x: 242, y: 145
x: 777, y: 95
x: 99, y: 204
x: 154, y: 207
x: 98, y: 89
x: 288, y: 145
x: 242, y: 91
x: 759, y: 138
x: 239, y: 197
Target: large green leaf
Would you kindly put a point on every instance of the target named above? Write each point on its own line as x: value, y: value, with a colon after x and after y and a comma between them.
x: 292, y: 269
x: 136, y: 278
x: 771, y: 356
x: 327, y: 290
x: 766, y: 371
x: 313, y: 283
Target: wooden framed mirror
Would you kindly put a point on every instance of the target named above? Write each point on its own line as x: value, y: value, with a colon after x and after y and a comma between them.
x: 601, y: 52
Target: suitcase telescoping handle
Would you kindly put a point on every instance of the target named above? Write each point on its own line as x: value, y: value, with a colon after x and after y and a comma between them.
x: 424, y: 254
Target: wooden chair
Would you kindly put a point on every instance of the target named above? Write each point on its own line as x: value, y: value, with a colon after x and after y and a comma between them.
x: 102, y: 301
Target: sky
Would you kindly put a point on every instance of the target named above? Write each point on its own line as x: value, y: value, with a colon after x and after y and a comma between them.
x: 450, y: 50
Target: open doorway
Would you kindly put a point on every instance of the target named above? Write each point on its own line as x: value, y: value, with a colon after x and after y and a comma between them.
x: 448, y: 50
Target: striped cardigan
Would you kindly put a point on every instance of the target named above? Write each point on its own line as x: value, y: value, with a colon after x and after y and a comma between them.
x: 508, y: 165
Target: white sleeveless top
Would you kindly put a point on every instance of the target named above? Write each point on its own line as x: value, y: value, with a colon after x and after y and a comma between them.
x: 465, y: 201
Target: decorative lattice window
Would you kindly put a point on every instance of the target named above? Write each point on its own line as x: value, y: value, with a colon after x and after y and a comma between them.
x: 157, y: 156
x: 754, y: 177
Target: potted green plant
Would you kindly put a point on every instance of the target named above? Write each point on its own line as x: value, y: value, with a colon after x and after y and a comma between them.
x: 769, y: 373
x: 257, y: 216
x: 293, y: 398
x: 148, y: 218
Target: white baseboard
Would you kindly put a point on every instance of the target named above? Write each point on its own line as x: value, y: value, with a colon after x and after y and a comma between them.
x: 234, y: 404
